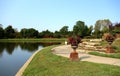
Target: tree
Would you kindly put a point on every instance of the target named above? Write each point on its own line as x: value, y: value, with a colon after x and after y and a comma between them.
x: 32, y: 33
x: 9, y: 32
x: 46, y: 34
x: 64, y: 31
x: 105, y: 29
x: 101, y: 26
x: 29, y: 33
x: 78, y: 28
x: 81, y: 29
x: 97, y: 31
x: 117, y: 28
x: 17, y: 34
x: 57, y: 34
x: 1, y: 32
x: 90, y: 29
x: 103, y: 23
x: 23, y: 32
x: 85, y: 31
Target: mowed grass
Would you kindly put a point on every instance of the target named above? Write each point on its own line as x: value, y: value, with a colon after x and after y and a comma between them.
x: 45, y: 63
x: 114, y: 55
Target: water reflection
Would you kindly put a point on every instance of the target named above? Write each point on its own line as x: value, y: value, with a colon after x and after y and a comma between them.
x: 9, y: 47
x: 14, y: 55
x: 26, y: 46
x: 29, y: 46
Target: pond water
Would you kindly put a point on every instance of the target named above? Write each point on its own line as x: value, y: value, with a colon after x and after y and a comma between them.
x: 14, y: 55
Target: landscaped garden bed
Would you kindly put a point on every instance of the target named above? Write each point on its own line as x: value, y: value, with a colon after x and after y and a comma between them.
x: 116, y: 47
x: 45, y: 63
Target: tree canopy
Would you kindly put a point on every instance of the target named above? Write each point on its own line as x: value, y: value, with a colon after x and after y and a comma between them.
x: 1, y: 32
x: 101, y: 26
x: 29, y: 33
x: 79, y: 29
x: 9, y: 32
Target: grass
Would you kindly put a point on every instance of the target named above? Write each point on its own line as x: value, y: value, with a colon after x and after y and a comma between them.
x: 115, y: 55
x: 47, y: 64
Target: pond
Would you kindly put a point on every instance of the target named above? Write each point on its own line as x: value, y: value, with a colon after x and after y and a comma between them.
x: 14, y: 55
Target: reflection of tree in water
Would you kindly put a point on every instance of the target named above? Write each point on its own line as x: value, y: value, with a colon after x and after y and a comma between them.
x: 1, y: 49
x: 29, y: 46
x: 34, y: 46
x: 8, y: 46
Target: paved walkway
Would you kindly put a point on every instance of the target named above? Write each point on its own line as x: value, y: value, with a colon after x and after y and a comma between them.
x: 65, y: 50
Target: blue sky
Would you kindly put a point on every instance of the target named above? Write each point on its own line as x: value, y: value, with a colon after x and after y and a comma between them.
x: 54, y: 14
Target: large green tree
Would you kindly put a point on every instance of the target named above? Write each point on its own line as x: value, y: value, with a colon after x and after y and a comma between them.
x: 97, y: 32
x: 46, y: 34
x: 78, y: 28
x: 1, y: 32
x: 56, y: 34
x: 81, y: 29
x: 23, y: 32
x: 101, y: 26
x: 89, y: 31
x: 64, y: 31
x: 9, y: 32
x: 29, y: 33
x: 33, y: 33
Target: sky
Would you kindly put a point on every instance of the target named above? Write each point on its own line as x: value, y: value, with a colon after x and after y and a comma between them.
x: 54, y: 14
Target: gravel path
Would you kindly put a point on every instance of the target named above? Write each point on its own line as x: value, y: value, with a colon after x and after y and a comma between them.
x: 65, y: 51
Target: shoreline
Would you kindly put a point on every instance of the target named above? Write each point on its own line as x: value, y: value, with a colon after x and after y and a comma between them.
x: 22, y: 69
x: 59, y: 50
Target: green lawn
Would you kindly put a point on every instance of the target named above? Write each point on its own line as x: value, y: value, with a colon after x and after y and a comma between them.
x: 115, y: 55
x: 47, y: 64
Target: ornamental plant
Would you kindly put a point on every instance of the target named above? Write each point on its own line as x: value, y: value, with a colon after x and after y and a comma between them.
x: 109, y: 38
x: 74, y: 40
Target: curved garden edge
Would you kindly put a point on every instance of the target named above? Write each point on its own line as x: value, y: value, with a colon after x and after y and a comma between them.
x: 65, y: 51
x: 21, y: 70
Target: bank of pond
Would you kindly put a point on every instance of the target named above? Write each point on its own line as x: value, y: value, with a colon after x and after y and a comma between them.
x: 14, y: 54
